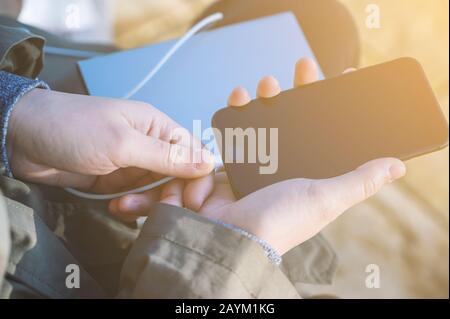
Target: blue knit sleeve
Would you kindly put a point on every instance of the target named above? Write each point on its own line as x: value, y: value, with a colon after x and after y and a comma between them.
x: 12, y: 88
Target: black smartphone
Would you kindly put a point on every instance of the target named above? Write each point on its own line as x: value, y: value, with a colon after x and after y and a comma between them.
x: 331, y: 127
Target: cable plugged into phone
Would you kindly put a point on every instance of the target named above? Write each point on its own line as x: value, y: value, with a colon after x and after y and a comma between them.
x: 203, y: 24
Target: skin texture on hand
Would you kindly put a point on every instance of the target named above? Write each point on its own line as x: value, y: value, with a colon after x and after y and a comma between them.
x: 288, y: 213
x: 100, y: 145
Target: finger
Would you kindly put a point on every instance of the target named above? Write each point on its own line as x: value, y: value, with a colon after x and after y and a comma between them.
x: 268, y: 87
x: 197, y: 191
x: 166, y: 129
x: 113, y: 209
x: 165, y: 158
x: 118, y: 180
x: 345, y: 191
x: 239, y: 97
x: 137, y: 204
x: 306, y: 71
x: 172, y: 193
x: 181, y: 136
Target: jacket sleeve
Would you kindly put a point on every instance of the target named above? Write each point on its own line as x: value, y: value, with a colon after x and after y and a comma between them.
x: 21, y: 52
x: 12, y: 88
x: 180, y: 254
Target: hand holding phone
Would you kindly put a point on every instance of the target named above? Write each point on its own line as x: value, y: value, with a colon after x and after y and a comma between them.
x: 330, y: 127
x: 290, y: 212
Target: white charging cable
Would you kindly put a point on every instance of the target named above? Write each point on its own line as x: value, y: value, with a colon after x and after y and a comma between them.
x: 206, y: 22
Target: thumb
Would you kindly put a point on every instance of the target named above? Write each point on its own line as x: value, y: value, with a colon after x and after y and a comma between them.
x: 166, y: 158
x: 352, y: 188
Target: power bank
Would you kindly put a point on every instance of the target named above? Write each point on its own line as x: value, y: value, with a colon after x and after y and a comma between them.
x: 331, y: 127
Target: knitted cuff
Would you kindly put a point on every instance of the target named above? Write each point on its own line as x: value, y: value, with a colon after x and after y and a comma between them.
x: 12, y: 88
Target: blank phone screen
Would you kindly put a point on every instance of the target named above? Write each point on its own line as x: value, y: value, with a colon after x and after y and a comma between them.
x: 331, y: 127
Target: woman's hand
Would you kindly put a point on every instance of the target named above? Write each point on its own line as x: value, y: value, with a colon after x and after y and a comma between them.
x: 288, y: 213
x: 101, y: 145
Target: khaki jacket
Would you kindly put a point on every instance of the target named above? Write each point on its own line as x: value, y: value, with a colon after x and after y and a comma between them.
x: 175, y: 254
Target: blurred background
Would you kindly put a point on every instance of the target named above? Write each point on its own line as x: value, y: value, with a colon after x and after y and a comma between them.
x: 405, y: 229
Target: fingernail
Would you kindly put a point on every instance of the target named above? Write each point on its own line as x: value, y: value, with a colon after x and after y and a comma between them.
x: 239, y: 97
x: 397, y: 171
